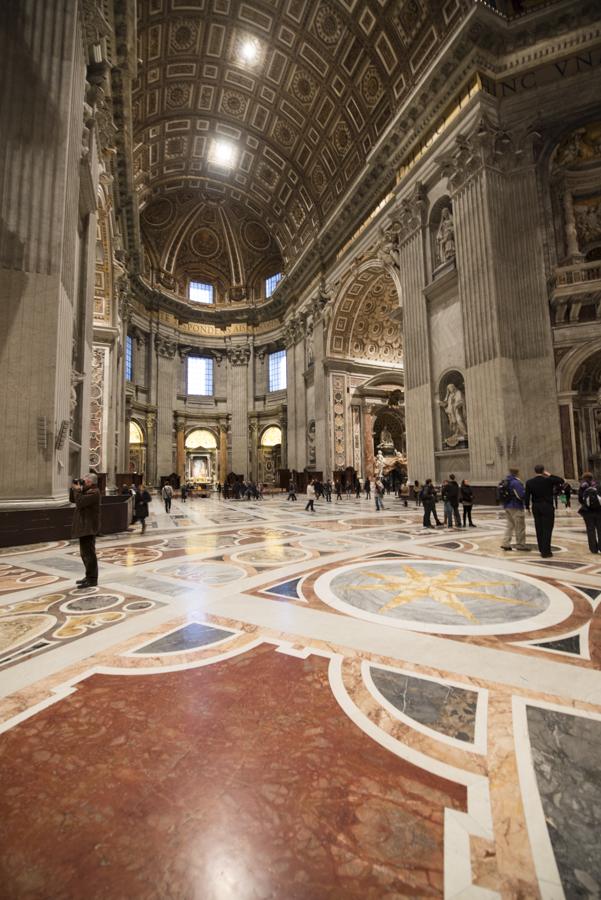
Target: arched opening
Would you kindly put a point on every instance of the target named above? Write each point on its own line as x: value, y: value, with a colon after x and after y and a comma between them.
x: 137, y: 448
x: 586, y: 399
x: 201, y: 447
x: 270, y: 454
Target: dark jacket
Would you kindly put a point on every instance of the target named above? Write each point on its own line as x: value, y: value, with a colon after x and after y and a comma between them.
x: 450, y: 493
x: 540, y: 490
x: 86, y: 516
x: 584, y: 510
x: 467, y: 494
x: 428, y: 495
x: 141, y: 501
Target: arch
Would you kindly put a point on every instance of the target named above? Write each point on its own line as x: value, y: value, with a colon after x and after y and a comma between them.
x: 365, y: 321
x: 571, y: 362
x: 136, y: 434
x: 271, y: 436
x: 198, y: 438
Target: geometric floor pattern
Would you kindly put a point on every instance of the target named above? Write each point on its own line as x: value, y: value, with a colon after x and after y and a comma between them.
x: 258, y: 701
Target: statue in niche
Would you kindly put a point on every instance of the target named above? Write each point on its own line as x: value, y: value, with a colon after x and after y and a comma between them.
x: 311, y: 444
x: 445, y: 238
x: 386, y: 442
x: 454, y: 408
x: 76, y: 379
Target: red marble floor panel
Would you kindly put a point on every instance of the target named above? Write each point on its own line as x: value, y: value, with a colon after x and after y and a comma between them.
x: 241, y: 779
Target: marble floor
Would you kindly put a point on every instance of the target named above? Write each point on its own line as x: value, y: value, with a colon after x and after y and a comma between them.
x: 262, y: 702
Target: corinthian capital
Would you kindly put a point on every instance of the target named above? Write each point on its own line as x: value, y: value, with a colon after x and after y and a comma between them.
x: 238, y: 356
x: 487, y: 145
x: 410, y: 215
x: 165, y: 347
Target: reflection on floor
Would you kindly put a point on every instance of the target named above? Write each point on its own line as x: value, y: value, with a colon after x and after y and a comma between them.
x: 262, y: 702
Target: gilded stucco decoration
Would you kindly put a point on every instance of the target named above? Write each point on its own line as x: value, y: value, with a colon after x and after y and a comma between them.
x: 362, y: 323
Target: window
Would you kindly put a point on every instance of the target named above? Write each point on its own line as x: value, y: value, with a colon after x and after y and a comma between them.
x: 200, y: 376
x: 199, y: 292
x: 277, y: 371
x: 271, y: 437
x: 129, y: 358
x: 272, y: 283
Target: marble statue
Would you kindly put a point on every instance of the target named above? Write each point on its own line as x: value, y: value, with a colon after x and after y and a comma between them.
x: 379, y: 464
x: 445, y: 238
x: 454, y: 407
x: 386, y: 442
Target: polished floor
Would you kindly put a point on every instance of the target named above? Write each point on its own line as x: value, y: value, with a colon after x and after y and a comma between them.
x: 262, y: 702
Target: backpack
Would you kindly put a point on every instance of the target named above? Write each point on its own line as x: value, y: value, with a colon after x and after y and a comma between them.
x: 591, y: 499
x: 504, y: 491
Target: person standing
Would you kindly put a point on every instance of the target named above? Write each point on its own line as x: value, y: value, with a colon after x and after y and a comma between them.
x: 589, y: 498
x: 86, y: 525
x: 184, y: 493
x: 540, y: 492
x: 310, y: 497
x: 404, y: 492
x: 328, y: 491
x: 417, y: 492
x: 466, y: 495
x: 167, y: 495
x: 511, y: 493
x: 141, y: 501
x: 428, y: 499
x: 450, y: 496
x: 291, y: 490
x: 339, y: 490
x: 367, y: 489
x: 567, y: 492
x: 379, y: 494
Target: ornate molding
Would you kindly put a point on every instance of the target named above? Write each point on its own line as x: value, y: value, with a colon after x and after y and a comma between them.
x: 410, y: 215
x: 293, y: 331
x: 165, y: 347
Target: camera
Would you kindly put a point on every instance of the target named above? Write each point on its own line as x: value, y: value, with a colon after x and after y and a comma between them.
x: 78, y: 481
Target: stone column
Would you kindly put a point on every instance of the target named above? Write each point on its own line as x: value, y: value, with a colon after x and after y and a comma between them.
x: 510, y: 371
x: 223, y: 469
x: 290, y: 338
x: 150, y: 476
x: 180, y: 428
x: 165, y: 349
x: 368, y: 441
x: 572, y: 247
x: 323, y: 462
x: 568, y: 434
x: 418, y: 389
x: 42, y: 83
x: 238, y: 359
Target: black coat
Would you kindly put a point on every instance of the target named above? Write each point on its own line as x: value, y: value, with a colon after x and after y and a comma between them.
x: 467, y: 494
x: 141, y: 501
x: 86, y: 517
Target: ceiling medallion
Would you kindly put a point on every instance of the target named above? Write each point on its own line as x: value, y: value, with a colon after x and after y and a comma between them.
x: 328, y: 25
x: 303, y: 86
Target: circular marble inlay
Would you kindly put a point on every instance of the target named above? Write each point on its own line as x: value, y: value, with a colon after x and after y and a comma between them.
x: 204, y: 573
x: 15, y: 631
x: 129, y: 556
x: 88, y: 602
x: 275, y: 555
x: 138, y: 605
x: 445, y: 598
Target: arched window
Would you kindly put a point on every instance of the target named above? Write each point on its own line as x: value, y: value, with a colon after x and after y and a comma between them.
x: 271, y: 437
x: 201, y: 437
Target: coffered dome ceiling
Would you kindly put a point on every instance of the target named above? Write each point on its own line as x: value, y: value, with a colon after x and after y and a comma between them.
x: 300, y: 107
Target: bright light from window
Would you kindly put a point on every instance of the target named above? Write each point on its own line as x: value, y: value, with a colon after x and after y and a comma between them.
x: 249, y: 51
x: 129, y: 357
x: 199, y: 292
x: 277, y: 371
x: 201, y: 437
x: 272, y: 283
x: 200, y: 376
x: 271, y: 437
x: 222, y: 153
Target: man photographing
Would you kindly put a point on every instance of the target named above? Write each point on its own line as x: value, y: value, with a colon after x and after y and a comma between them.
x: 86, y: 525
